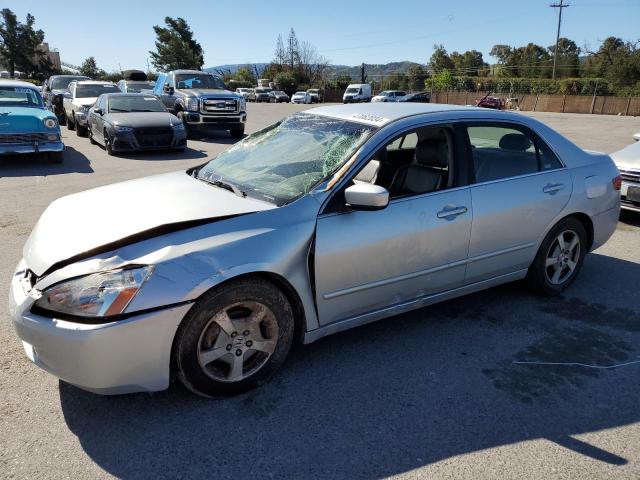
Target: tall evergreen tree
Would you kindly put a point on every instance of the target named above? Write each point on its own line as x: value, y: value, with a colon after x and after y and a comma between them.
x: 20, y: 43
x: 176, y: 47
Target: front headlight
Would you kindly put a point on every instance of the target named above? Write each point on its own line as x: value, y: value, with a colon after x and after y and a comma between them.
x: 50, y: 122
x: 101, y: 294
x: 192, y: 104
x: 242, y: 103
x: 121, y: 129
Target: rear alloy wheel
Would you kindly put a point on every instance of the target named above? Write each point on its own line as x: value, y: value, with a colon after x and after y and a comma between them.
x: 234, y: 338
x: 560, y: 257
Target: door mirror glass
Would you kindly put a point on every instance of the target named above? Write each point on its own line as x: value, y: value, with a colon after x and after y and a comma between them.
x: 366, y: 197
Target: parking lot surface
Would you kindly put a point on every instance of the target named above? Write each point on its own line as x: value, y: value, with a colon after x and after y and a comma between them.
x: 430, y: 394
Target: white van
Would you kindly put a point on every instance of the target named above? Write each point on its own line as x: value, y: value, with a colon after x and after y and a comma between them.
x: 356, y: 93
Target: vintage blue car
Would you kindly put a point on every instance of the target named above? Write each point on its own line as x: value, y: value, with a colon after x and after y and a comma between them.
x: 26, y: 126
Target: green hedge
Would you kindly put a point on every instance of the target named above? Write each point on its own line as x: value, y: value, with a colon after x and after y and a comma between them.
x: 543, y: 86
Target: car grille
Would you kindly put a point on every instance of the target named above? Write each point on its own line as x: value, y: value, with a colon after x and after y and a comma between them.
x: 218, y: 105
x: 22, y: 138
x: 154, y: 137
x: 630, y: 176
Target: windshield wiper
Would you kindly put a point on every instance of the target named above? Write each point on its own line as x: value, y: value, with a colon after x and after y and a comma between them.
x: 222, y: 184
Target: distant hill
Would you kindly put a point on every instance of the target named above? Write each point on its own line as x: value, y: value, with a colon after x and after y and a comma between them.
x: 373, y: 71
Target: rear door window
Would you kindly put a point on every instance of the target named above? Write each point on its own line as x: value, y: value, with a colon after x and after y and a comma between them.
x: 505, y: 150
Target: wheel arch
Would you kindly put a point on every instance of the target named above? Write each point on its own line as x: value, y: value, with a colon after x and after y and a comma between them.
x: 586, y: 222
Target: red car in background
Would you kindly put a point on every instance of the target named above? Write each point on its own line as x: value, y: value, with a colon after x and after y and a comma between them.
x: 494, y: 103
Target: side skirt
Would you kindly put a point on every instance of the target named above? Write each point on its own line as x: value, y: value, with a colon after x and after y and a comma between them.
x: 346, y: 324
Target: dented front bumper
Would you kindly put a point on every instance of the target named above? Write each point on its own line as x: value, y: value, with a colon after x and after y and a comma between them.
x: 124, y: 356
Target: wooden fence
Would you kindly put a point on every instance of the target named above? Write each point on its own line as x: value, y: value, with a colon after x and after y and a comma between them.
x: 604, y: 105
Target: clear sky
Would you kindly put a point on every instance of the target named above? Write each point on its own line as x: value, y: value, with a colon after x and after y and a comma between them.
x: 119, y: 33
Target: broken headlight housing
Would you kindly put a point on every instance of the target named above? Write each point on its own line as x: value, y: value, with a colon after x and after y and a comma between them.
x: 103, y: 294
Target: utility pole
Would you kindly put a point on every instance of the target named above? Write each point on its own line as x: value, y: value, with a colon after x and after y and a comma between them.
x: 560, y: 5
x: 362, y: 75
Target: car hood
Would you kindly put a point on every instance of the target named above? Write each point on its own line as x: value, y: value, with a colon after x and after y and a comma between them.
x: 23, y: 119
x: 628, y: 157
x: 103, y: 219
x: 142, y: 119
x: 203, y: 92
x: 85, y: 101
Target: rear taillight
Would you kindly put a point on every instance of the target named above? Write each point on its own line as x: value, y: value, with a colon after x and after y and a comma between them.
x: 617, y: 182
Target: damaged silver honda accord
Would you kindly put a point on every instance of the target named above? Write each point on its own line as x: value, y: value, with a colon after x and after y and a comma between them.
x: 329, y: 219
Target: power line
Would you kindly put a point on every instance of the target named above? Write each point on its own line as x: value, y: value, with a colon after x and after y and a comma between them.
x: 560, y: 6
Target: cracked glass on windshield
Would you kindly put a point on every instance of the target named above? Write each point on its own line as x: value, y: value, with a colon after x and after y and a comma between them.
x: 284, y: 161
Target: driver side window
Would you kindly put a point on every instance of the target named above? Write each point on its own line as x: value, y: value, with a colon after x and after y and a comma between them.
x: 415, y: 163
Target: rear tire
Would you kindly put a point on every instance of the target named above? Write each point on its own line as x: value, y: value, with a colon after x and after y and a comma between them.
x: 559, y: 258
x: 234, y: 338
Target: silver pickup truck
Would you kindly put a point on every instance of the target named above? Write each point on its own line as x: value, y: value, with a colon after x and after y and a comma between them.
x: 202, y: 101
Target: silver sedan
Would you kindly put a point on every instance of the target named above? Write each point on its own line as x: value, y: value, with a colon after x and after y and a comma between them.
x: 327, y: 220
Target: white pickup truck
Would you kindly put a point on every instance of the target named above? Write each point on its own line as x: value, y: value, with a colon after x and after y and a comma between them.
x: 80, y: 98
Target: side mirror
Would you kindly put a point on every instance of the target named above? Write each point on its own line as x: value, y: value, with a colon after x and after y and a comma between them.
x: 365, y: 196
x: 98, y: 111
x: 168, y: 89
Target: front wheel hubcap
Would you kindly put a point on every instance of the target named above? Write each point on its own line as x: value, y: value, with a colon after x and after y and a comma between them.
x: 562, y: 257
x: 237, y: 341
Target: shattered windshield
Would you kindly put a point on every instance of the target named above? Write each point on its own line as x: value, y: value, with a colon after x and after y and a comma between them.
x: 285, y: 161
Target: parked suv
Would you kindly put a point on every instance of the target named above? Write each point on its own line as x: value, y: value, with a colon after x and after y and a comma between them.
x: 262, y: 94
x: 53, y: 91
x: 80, y: 98
x: 202, y: 101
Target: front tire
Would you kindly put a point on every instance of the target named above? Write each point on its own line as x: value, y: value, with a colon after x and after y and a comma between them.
x: 559, y: 258
x: 81, y: 131
x: 187, y: 129
x: 108, y: 143
x: 237, y: 132
x: 234, y: 338
x: 92, y: 140
x: 71, y: 122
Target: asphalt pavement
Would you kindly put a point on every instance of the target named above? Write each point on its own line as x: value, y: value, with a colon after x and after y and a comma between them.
x: 430, y: 394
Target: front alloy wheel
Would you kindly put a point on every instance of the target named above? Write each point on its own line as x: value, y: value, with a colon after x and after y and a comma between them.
x: 234, y: 338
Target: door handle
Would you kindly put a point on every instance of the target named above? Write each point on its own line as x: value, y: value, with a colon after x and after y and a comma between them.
x: 552, y: 188
x: 450, y: 212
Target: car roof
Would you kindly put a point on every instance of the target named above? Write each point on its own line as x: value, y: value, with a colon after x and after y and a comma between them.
x: 386, y: 112
x: 191, y: 71
x: 17, y: 83
x: 122, y: 94
x: 94, y: 82
x: 70, y: 75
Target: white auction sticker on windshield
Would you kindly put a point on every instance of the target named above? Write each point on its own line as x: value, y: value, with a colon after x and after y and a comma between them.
x: 365, y: 117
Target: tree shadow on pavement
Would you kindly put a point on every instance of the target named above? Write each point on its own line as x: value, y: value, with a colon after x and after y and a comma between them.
x: 37, y: 165
x: 395, y: 395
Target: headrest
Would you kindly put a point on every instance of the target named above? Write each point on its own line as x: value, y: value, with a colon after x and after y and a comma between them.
x: 432, y: 152
x: 515, y: 141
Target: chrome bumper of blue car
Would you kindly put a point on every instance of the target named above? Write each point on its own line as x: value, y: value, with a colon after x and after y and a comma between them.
x: 35, y: 147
